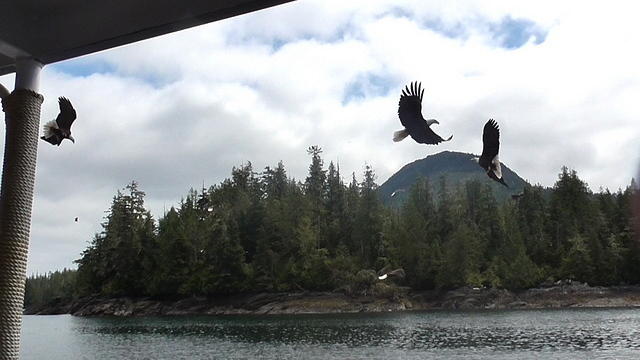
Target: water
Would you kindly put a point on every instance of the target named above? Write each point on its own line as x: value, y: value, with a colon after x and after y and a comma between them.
x: 521, y: 334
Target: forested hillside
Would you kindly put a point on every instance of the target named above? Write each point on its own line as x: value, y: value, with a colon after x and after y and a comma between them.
x: 455, y: 168
x: 263, y: 231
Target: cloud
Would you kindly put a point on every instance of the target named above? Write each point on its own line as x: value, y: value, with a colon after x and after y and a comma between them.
x: 179, y: 110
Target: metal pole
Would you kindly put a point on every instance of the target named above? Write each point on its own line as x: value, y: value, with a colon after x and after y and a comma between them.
x: 22, y: 116
x: 28, y: 75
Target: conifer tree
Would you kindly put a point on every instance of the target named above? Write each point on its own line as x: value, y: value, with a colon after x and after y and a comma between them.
x: 532, y: 213
x: 367, y: 230
x: 315, y: 186
x: 268, y: 232
x: 577, y: 264
x: 417, y: 243
x: 335, y: 209
x: 116, y: 261
x: 510, y: 266
x: 461, y: 258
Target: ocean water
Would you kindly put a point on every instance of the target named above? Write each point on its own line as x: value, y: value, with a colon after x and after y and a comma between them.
x: 508, y: 334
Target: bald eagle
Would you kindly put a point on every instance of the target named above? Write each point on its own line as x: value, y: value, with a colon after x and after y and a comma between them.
x: 395, y: 193
x: 59, y: 129
x: 410, y: 113
x: 490, y: 145
x: 387, y: 272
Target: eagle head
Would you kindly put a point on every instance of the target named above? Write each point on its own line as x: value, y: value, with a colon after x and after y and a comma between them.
x: 66, y: 134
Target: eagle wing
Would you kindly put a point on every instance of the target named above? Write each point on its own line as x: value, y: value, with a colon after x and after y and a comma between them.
x: 410, y: 114
x: 67, y: 114
x: 427, y: 136
x: 54, y: 139
x: 490, y: 143
x: 410, y: 106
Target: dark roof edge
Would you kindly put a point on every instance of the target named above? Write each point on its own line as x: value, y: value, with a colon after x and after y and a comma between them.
x: 150, y: 32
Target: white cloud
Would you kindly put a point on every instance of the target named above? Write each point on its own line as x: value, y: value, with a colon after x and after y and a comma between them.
x: 174, y: 111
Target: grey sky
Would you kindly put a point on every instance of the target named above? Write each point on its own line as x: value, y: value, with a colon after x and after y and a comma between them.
x: 177, y: 110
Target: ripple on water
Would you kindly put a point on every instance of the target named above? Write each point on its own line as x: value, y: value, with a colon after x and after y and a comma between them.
x: 602, y: 333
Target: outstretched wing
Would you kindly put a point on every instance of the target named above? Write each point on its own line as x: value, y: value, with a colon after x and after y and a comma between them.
x: 53, y: 139
x: 399, y: 273
x: 410, y: 113
x: 410, y: 106
x: 490, y: 142
x: 427, y: 136
x: 67, y: 114
x: 489, y: 159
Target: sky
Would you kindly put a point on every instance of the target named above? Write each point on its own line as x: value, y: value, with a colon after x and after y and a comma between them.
x: 175, y: 112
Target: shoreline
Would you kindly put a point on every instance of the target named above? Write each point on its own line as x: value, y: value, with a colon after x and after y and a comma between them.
x: 572, y: 295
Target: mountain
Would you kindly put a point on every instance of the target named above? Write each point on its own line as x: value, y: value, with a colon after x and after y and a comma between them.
x: 456, y: 168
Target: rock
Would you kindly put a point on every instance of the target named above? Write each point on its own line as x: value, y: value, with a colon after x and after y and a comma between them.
x: 567, y: 294
x: 517, y: 304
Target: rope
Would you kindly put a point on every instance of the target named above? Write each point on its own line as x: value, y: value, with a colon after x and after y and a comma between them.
x: 22, y: 116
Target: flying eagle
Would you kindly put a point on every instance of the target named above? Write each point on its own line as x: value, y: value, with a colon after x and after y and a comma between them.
x: 395, y: 193
x: 490, y: 145
x: 386, y: 272
x: 59, y: 129
x: 410, y: 113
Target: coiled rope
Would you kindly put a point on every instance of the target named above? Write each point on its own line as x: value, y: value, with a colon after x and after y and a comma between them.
x: 22, y: 116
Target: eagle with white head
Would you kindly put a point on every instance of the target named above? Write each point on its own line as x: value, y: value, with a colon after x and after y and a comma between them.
x: 59, y: 129
x: 410, y: 114
x: 489, y: 160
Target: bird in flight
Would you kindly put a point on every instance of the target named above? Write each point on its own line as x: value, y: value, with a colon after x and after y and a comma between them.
x: 395, y: 193
x: 59, y: 129
x: 386, y: 272
x: 410, y: 113
x: 490, y: 145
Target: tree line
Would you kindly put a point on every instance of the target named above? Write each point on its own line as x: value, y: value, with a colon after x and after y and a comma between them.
x: 268, y: 232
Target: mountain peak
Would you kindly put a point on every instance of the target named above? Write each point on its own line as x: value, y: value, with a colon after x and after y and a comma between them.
x: 456, y: 168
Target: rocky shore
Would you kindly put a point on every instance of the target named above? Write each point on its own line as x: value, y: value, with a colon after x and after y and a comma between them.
x: 556, y: 296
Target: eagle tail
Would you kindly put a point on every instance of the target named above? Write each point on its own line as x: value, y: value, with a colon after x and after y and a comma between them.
x: 48, y: 128
x: 3, y: 92
x: 400, y: 135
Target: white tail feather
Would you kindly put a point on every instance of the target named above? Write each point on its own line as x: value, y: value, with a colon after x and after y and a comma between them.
x: 400, y: 135
x: 496, y: 164
x: 3, y: 92
x: 48, y: 128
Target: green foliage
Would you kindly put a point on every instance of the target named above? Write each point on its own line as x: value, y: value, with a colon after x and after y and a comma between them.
x: 415, y: 239
x: 118, y: 260
x: 363, y: 282
x: 267, y: 232
x: 511, y: 267
x: 577, y: 264
x: 367, y: 227
x: 42, y: 289
x: 461, y: 258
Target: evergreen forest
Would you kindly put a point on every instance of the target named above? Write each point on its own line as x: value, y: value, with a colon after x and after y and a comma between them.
x: 262, y: 231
